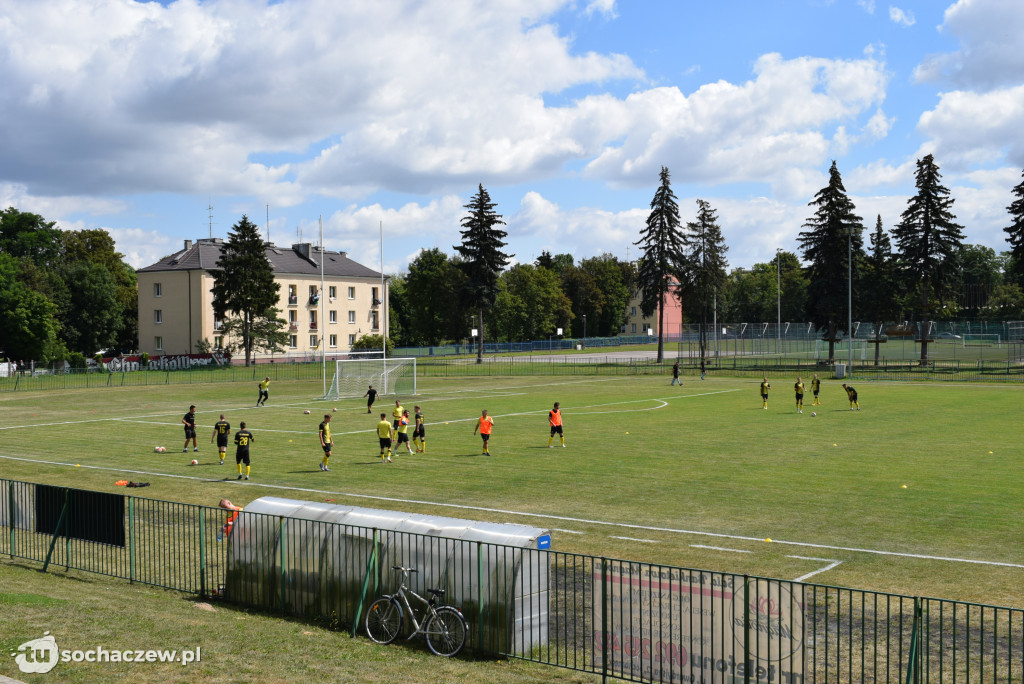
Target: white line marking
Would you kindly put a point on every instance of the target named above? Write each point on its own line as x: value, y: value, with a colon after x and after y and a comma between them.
x: 546, y: 516
x: 718, y: 548
x: 831, y: 564
x: 559, y: 529
x: 644, y: 541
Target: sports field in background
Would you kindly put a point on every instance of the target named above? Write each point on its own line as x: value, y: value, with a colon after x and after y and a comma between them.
x: 921, y: 492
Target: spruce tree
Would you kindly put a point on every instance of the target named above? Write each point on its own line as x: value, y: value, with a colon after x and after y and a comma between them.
x: 928, y: 239
x: 1015, y: 235
x: 662, y: 258
x: 482, y: 257
x: 705, y: 273
x: 832, y: 239
x: 244, y: 282
x: 880, y: 291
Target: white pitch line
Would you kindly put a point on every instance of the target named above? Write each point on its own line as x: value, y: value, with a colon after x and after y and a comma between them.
x: 548, y: 516
x: 831, y: 564
x: 718, y: 548
x: 559, y: 529
x: 643, y: 541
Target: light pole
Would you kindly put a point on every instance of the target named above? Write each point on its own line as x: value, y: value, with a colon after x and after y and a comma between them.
x: 584, y: 331
x: 849, y: 301
x: 778, y: 300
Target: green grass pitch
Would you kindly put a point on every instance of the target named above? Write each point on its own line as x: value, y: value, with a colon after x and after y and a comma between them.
x: 698, y: 476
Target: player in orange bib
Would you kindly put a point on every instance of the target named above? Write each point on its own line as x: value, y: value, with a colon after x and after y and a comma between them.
x: 555, y: 421
x: 484, y: 427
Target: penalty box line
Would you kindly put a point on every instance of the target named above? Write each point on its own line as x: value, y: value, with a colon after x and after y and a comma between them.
x: 543, y: 516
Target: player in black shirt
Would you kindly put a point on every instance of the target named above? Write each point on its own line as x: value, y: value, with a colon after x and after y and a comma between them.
x: 419, y: 433
x: 370, y: 396
x: 851, y: 394
x: 221, y: 430
x: 189, y: 421
x: 243, y: 438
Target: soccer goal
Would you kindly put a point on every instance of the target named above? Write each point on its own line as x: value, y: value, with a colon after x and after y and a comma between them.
x: 388, y: 376
x: 841, y: 349
x: 983, y: 340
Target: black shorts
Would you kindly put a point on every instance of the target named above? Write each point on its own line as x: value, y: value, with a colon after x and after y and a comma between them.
x: 328, y: 447
x: 403, y: 438
x: 242, y: 458
x: 190, y: 432
x: 556, y: 430
x: 764, y: 397
x: 853, y: 397
x: 222, y: 441
x: 419, y: 431
x: 799, y: 397
x: 385, y: 442
x: 815, y: 392
x: 485, y: 436
x: 264, y: 394
x: 395, y: 423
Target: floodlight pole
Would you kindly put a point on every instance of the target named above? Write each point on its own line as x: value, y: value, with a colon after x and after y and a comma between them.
x: 584, y: 331
x: 849, y: 300
x: 778, y: 300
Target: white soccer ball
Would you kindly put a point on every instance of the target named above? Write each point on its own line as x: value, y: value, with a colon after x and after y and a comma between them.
x: 306, y: 412
x: 334, y: 409
x: 813, y: 413
x: 156, y: 449
x: 195, y: 462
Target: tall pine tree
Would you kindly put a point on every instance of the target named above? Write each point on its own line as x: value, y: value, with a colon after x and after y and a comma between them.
x: 483, y: 259
x: 244, y: 284
x: 928, y: 239
x: 705, y: 274
x: 1015, y: 235
x: 661, y: 243
x: 833, y: 238
x: 880, y: 301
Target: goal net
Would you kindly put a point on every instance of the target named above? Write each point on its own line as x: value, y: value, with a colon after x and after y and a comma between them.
x: 842, y: 349
x: 983, y: 340
x: 352, y: 377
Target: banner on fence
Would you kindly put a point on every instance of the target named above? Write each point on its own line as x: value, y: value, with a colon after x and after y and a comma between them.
x: 673, y: 625
x: 119, y: 364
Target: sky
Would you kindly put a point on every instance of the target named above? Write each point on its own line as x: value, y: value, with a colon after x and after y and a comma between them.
x: 165, y: 121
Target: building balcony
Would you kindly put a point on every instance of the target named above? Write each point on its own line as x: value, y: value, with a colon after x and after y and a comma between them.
x: 312, y: 326
x: 374, y: 302
x: 314, y: 300
x: 293, y: 300
x: 292, y: 327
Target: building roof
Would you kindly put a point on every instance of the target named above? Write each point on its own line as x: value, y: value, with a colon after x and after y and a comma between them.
x: 299, y: 259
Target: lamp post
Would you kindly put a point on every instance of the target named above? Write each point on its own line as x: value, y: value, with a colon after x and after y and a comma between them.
x: 584, y: 331
x: 778, y: 300
x: 849, y: 301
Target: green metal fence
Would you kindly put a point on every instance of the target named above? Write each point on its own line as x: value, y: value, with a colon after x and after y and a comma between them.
x: 616, y: 618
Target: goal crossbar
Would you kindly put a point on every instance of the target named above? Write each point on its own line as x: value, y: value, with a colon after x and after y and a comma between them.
x: 352, y: 377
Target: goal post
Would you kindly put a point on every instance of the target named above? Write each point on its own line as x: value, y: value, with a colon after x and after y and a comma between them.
x: 352, y: 377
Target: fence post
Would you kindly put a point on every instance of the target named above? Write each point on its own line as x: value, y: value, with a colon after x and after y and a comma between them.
x: 746, y: 629
x: 56, y: 530
x: 131, y: 539
x: 202, y: 553
x: 604, y: 619
x: 281, y: 556
x: 371, y: 571
x: 10, y: 518
x: 913, y: 669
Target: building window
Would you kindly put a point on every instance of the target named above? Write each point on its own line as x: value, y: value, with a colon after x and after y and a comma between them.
x: 293, y: 295
x: 333, y: 316
x: 312, y: 319
x: 293, y: 341
x: 332, y: 291
x: 158, y: 290
x: 351, y: 293
x: 351, y: 340
x: 158, y: 343
x: 334, y: 341
x: 632, y: 327
x: 373, y: 295
x: 218, y: 342
x: 632, y: 311
x: 312, y: 342
x: 158, y: 316
x: 373, y: 320
x: 314, y: 295
x: 352, y: 317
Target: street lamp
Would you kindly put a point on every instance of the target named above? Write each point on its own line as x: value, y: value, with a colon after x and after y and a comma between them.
x: 778, y: 300
x: 849, y: 301
x: 584, y: 331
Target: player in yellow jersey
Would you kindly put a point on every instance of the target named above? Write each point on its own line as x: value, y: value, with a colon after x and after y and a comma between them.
x: 396, y: 414
x: 815, y: 387
x: 384, y: 435
x: 765, y: 386
x: 264, y: 392
x: 798, y: 387
x: 851, y: 394
x: 326, y: 441
x: 402, y: 434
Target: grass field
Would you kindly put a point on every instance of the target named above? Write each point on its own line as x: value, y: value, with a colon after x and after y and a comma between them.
x: 698, y: 476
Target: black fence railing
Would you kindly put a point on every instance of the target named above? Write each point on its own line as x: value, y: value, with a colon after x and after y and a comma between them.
x: 633, y: 621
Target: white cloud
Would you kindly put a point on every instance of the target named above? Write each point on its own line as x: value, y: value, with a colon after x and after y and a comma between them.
x: 605, y: 7
x: 989, y: 56
x: 868, y: 5
x: 901, y: 17
x: 969, y: 128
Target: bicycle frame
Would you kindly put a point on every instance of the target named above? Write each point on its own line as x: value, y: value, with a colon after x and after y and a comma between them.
x: 402, y: 595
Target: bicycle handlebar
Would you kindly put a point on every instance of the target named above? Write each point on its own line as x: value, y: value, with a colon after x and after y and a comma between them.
x: 399, y: 567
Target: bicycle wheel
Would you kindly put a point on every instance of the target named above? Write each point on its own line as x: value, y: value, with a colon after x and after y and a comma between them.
x: 446, y: 631
x: 384, y: 620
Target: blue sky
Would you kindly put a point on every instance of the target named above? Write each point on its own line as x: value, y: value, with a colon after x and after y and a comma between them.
x: 137, y: 117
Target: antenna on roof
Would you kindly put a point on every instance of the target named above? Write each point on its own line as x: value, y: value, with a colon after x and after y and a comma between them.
x: 209, y: 211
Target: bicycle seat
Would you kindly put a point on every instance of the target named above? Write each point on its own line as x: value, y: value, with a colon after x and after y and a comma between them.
x: 439, y: 593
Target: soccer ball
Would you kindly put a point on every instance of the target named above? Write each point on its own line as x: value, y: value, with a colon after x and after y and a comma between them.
x: 195, y: 462
x: 306, y: 412
x: 159, y: 450
x: 334, y: 409
x: 813, y: 414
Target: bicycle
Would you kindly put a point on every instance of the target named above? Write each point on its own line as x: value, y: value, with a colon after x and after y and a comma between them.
x: 443, y: 626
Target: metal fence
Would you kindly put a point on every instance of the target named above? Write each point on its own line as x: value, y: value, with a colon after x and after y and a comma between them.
x: 616, y: 618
